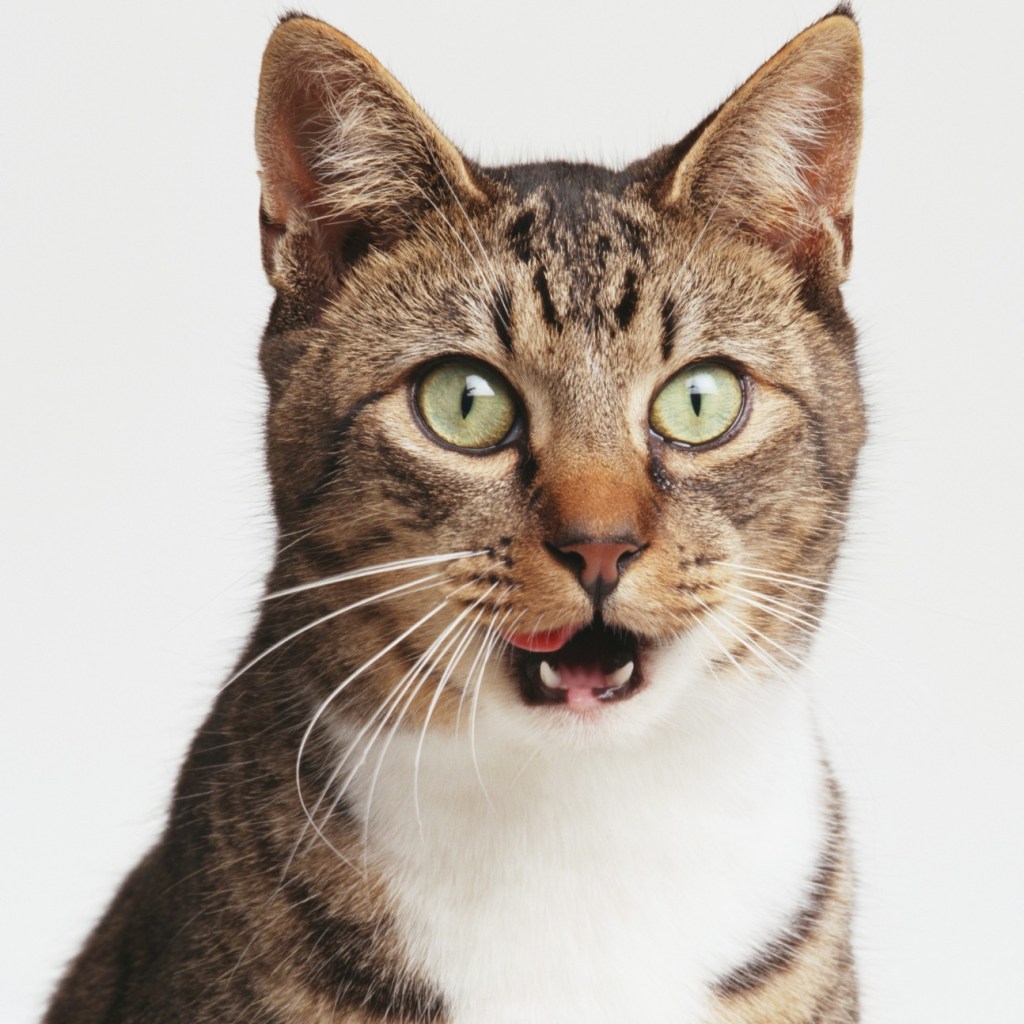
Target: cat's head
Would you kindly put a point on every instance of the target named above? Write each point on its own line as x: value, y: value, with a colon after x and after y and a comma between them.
x: 615, y: 413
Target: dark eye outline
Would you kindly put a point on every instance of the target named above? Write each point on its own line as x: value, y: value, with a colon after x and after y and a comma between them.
x: 746, y: 391
x: 515, y: 432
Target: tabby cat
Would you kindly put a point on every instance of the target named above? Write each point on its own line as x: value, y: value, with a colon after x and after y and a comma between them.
x: 560, y: 459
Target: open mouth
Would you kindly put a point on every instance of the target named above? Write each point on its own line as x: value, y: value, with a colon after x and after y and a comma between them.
x: 580, y: 668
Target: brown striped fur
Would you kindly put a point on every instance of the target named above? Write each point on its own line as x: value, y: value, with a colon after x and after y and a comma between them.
x: 587, y: 289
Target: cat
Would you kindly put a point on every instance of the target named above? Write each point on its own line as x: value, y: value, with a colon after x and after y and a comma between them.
x: 560, y: 458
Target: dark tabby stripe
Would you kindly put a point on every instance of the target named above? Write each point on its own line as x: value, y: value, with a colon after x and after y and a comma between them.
x: 627, y: 304
x: 540, y: 282
x: 519, y: 235
x: 527, y: 469
x: 669, y: 326
x: 501, y: 313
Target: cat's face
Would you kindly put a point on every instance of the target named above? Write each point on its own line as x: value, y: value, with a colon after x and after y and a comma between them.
x: 620, y: 410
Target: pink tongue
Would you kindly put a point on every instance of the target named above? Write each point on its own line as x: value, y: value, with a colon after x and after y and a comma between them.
x: 543, y: 643
x: 580, y: 683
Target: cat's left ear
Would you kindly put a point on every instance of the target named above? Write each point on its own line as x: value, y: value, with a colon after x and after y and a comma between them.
x: 347, y: 160
x: 777, y: 160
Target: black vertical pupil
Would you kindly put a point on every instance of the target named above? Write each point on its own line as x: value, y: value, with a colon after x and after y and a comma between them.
x: 695, y: 397
x: 467, y: 402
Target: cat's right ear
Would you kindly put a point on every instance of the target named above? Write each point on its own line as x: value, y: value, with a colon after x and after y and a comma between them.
x: 347, y: 159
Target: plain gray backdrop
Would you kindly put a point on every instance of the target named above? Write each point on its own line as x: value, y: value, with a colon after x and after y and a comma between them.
x: 135, y: 521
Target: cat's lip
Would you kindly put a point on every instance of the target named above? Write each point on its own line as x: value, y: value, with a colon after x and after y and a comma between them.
x: 543, y: 642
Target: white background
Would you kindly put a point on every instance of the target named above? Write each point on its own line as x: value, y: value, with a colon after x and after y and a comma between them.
x: 135, y: 520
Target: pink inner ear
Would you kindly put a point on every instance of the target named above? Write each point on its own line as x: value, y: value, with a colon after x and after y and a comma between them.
x: 292, y: 183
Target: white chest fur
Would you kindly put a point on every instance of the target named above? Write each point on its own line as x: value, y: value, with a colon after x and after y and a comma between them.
x: 570, y: 885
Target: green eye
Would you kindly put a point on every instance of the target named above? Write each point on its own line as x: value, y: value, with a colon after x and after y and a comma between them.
x: 698, y: 404
x: 467, y: 404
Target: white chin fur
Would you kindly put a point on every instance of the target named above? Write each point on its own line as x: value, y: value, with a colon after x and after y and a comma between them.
x: 603, y: 870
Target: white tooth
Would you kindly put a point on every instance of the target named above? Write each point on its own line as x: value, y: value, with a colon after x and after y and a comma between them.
x: 619, y: 677
x: 549, y: 676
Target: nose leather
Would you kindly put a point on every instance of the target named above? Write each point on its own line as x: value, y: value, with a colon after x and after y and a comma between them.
x: 601, y: 563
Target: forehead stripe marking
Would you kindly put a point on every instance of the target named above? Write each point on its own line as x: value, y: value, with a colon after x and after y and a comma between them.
x: 519, y: 235
x: 501, y: 313
x: 627, y: 304
x: 540, y: 283
x: 669, y: 325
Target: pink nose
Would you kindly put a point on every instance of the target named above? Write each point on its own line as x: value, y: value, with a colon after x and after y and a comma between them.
x: 602, y: 562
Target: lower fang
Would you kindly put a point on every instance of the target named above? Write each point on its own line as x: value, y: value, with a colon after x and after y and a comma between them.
x: 549, y: 677
x: 615, y: 679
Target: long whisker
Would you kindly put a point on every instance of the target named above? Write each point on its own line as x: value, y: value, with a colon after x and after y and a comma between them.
x: 458, y: 641
x: 777, y: 573
x: 743, y: 624
x: 494, y: 634
x: 415, y: 684
x: 786, y: 579
x: 798, y: 613
x: 383, y: 710
x: 398, y: 693
x: 492, y: 625
x: 375, y: 570
x: 423, y: 583
x: 340, y: 688
x: 722, y: 647
x: 405, y: 690
x: 383, y: 713
x: 746, y: 641
x: 805, y: 627
x: 445, y: 676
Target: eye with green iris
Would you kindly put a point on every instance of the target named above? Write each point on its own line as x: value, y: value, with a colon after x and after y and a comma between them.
x: 467, y: 404
x: 698, y: 405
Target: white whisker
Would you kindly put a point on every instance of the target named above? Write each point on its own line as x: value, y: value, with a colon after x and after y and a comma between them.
x: 807, y: 628
x: 340, y: 688
x: 445, y: 676
x: 423, y: 583
x: 490, y: 639
x: 383, y: 713
x: 472, y: 668
x: 747, y: 642
x: 798, y: 662
x: 798, y: 613
x: 384, y: 709
x: 375, y: 570
x: 722, y: 647
x: 780, y: 578
x: 413, y: 688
